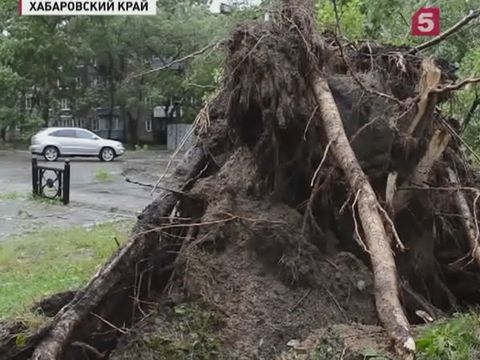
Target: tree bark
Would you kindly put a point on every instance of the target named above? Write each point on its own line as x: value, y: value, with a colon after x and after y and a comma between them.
x: 389, y: 308
x: 468, y: 220
x: 112, y: 107
x: 132, y: 135
x: 46, y: 109
x: 3, y: 134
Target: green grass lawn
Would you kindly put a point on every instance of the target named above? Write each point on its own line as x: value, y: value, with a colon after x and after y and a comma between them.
x: 39, y: 264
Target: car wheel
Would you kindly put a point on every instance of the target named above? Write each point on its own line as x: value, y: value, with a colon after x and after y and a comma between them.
x: 107, y: 154
x: 51, y: 153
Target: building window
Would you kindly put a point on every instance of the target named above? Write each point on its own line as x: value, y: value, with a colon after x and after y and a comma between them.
x: 148, y: 125
x: 116, y: 124
x: 29, y: 103
x: 95, y: 80
x: 64, y: 104
x: 95, y: 124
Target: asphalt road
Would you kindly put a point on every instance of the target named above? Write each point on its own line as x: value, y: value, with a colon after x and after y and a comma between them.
x: 99, y: 191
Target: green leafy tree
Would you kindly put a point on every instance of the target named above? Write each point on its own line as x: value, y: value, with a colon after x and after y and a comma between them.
x: 41, y: 51
x: 388, y: 21
x: 10, y: 86
x: 45, y: 53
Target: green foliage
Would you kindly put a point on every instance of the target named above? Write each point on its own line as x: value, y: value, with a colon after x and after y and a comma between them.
x: 457, y: 338
x: 42, y: 51
x: 389, y: 21
x: 10, y: 84
x: 48, y: 261
x: 39, y: 53
x: 44, y: 200
x: 351, y: 18
x: 29, y: 125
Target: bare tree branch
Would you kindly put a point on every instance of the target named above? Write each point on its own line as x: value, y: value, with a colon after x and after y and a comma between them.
x: 456, y: 86
x: 471, y: 16
x: 180, y: 60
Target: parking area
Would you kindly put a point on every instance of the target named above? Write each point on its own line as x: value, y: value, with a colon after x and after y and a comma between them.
x: 98, y: 193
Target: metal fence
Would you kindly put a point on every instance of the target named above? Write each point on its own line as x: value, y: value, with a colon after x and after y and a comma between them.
x: 51, y: 183
x: 176, y: 134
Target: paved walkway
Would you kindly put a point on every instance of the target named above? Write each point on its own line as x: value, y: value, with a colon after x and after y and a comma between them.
x: 94, y: 198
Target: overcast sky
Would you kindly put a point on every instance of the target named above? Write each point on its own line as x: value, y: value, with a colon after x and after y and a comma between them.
x: 215, y: 6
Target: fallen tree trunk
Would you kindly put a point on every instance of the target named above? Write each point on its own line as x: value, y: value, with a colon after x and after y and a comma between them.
x: 469, y: 223
x: 106, y: 279
x: 144, y: 239
x: 377, y: 242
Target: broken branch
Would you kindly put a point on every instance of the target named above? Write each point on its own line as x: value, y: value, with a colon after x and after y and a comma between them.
x: 180, y: 60
x: 457, y: 86
x: 471, y: 16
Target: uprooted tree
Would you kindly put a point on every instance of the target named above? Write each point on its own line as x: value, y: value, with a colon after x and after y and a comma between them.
x: 317, y: 160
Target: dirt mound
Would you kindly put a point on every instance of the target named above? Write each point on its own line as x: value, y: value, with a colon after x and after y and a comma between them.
x: 253, y: 313
x: 265, y: 281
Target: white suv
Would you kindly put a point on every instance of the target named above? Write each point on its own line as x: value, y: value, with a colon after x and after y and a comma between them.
x: 55, y: 142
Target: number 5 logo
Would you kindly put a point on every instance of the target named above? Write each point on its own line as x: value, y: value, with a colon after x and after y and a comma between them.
x: 426, y: 22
